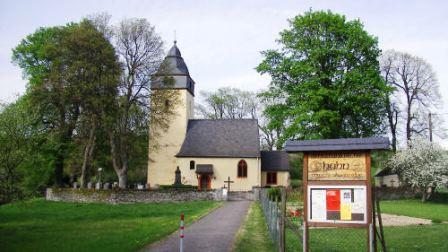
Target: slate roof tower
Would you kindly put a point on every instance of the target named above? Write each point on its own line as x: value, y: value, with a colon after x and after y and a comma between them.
x: 173, y: 74
x: 173, y: 66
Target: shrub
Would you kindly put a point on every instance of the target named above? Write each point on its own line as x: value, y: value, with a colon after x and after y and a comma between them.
x: 178, y: 187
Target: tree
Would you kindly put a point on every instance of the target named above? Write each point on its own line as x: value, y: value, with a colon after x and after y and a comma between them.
x: 325, y: 79
x: 13, y: 146
x: 23, y: 159
x: 416, y: 92
x: 228, y: 103
x: 392, y: 106
x: 140, y: 52
x: 422, y: 166
x: 233, y: 103
x: 71, y: 71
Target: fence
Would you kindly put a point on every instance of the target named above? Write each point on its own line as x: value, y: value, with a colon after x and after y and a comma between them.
x: 274, y: 217
x: 394, y: 233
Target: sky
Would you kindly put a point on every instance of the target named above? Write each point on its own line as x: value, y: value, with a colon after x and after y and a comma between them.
x: 221, y: 41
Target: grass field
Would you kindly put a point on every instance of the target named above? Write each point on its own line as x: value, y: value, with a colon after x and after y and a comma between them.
x: 409, y: 238
x: 39, y: 225
x: 253, y: 234
x: 414, y: 208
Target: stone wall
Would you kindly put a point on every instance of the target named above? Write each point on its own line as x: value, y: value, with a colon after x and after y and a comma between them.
x: 394, y: 193
x: 130, y: 196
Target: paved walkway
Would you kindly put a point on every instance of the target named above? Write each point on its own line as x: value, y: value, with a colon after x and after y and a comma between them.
x: 214, y: 232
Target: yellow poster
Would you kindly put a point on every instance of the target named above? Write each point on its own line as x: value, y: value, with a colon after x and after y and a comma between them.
x: 337, y: 166
x: 346, y: 211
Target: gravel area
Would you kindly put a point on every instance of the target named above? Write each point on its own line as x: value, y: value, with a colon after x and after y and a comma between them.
x: 401, y: 220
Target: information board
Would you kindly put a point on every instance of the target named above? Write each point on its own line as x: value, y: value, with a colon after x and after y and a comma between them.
x: 337, y: 204
x: 337, y: 166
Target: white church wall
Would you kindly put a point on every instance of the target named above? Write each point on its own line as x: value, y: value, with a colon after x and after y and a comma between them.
x: 162, y: 160
x: 222, y: 168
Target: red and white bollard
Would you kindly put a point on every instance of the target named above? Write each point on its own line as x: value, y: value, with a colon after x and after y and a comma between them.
x: 181, y: 233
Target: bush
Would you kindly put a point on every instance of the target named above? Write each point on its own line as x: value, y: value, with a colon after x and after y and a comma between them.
x: 296, y: 183
x: 274, y: 194
x: 178, y: 187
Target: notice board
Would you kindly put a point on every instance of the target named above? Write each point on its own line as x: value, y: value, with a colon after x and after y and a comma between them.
x: 337, y: 188
x: 337, y: 204
x: 337, y: 183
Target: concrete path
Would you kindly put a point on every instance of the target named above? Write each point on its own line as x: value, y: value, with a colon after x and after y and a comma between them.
x: 214, y: 232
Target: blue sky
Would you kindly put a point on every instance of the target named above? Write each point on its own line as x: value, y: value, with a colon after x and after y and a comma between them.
x: 221, y: 40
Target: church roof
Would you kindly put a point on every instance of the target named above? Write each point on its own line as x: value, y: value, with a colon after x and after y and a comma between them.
x: 274, y: 161
x: 173, y: 72
x: 173, y: 63
x: 221, y: 138
x: 368, y: 143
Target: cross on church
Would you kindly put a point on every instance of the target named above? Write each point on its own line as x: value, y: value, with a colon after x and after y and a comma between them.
x: 228, y: 183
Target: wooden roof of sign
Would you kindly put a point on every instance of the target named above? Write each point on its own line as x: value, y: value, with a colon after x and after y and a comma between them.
x: 368, y: 143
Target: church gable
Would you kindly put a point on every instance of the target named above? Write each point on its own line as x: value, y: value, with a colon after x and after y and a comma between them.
x: 221, y: 138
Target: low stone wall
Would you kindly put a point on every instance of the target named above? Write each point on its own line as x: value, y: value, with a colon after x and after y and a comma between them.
x: 394, y: 193
x: 129, y: 196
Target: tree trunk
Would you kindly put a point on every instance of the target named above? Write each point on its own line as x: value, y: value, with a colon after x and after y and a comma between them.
x: 408, y: 121
x: 88, y: 153
x: 423, y: 196
x: 119, y: 162
x: 122, y: 180
x: 392, y: 117
x: 59, y: 169
x: 426, y: 194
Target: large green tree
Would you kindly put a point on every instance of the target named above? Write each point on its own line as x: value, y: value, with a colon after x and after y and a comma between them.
x: 325, y: 79
x: 73, y: 73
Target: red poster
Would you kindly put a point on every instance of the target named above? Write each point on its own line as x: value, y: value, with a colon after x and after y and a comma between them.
x: 333, y: 200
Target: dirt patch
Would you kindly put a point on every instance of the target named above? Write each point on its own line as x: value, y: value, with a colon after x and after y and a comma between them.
x: 401, y: 220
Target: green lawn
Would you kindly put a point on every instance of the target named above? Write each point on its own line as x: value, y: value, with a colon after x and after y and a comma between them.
x: 414, y: 208
x: 409, y: 238
x: 39, y: 225
x: 253, y: 234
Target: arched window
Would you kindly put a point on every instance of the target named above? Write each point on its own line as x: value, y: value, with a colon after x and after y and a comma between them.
x: 192, y: 165
x: 242, y: 169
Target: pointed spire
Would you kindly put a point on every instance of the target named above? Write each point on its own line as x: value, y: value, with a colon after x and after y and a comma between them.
x: 175, y: 39
x: 174, y: 51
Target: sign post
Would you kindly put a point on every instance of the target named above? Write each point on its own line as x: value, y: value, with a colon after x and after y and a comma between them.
x: 181, y: 233
x: 336, y: 183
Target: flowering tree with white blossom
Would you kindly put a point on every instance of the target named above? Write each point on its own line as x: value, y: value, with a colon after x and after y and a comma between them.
x: 422, y: 165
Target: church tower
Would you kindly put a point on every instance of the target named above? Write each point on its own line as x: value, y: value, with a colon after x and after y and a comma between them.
x: 173, y: 75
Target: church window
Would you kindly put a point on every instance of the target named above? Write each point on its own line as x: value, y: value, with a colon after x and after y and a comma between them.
x: 271, y: 178
x: 192, y: 164
x: 242, y: 169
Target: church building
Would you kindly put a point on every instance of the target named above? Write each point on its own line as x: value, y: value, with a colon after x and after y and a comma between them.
x: 208, y: 152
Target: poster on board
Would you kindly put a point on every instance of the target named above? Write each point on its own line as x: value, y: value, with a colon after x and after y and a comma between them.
x: 337, y: 204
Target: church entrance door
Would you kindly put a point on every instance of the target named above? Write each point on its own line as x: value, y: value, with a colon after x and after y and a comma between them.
x: 204, y: 182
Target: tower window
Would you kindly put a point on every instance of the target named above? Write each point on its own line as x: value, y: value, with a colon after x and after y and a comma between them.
x: 167, y: 103
x: 192, y: 165
x: 242, y: 169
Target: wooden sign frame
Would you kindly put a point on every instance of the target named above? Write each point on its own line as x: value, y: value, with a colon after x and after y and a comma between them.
x: 337, y: 183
